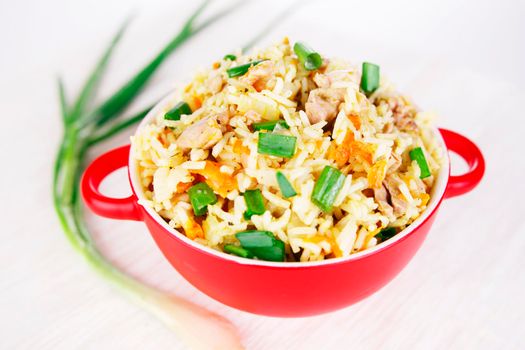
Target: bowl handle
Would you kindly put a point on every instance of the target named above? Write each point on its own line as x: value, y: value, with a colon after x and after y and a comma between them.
x: 115, y: 208
x: 466, y: 149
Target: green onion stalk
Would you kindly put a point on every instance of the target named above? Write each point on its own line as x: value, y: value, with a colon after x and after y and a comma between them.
x: 86, y: 125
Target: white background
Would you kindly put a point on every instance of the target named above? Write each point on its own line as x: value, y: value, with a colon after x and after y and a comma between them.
x: 462, y: 59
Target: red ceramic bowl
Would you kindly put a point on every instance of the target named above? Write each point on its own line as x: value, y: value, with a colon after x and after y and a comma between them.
x: 281, y: 289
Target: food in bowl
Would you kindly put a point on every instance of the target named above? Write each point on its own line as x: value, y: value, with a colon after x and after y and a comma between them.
x: 284, y: 155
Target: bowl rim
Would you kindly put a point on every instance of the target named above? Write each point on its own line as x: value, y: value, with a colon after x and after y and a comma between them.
x: 436, y: 197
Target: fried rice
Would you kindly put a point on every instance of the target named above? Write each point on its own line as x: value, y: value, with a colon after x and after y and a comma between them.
x: 365, y: 140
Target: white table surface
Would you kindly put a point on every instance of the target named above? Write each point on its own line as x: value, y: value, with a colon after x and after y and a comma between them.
x: 465, y: 60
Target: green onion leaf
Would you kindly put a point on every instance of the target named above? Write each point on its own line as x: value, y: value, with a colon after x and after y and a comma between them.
x: 239, y: 251
x: 200, y: 196
x: 254, y: 203
x: 229, y: 57
x: 369, y: 78
x: 286, y: 187
x: 270, y: 125
x: 386, y: 233
x: 327, y: 187
x: 181, y: 108
x: 117, y: 102
x: 116, y: 127
x: 242, y: 69
x: 276, y: 145
x: 310, y: 59
x: 417, y: 155
x: 262, y: 244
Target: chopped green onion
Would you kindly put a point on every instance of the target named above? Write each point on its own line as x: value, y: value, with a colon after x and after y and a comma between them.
x: 310, y: 59
x: 386, y: 233
x: 236, y: 250
x: 285, y: 185
x: 255, y: 239
x: 262, y: 244
x: 242, y: 69
x: 254, y: 203
x: 418, y: 155
x: 181, y: 108
x: 276, y: 145
x: 273, y: 253
x: 230, y: 57
x: 327, y: 187
x: 200, y: 196
x: 270, y: 125
x: 369, y: 78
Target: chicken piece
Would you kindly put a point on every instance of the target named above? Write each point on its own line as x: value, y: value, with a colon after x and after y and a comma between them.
x: 323, y: 104
x: 259, y: 75
x: 393, y: 163
x: 392, y: 183
x: 403, y: 114
x: 381, y: 196
x: 203, y: 134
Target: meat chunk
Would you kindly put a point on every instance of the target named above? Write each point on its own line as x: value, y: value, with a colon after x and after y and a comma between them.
x: 258, y: 76
x: 203, y: 134
x: 392, y: 183
x: 323, y: 104
x: 403, y: 114
x: 382, y: 198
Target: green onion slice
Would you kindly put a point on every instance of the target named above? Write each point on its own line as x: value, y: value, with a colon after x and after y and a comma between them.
x: 254, y: 203
x: 239, y: 251
x: 270, y: 125
x: 369, y: 78
x: 181, y: 108
x: 229, y: 57
x: 276, y: 145
x: 418, y: 155
x: 386, y: 233
x: 327, y: 187
x: 286, y: 187
x: 242, y: 69
x: 200, y: 196
x: 262, y: 244
x: 310, y: 59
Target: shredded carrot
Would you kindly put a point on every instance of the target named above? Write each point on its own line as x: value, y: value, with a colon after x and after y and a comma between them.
x: 192, y: 229
x: 197, y: 102
x: 239, y: 148
x: 216, y: 65
x: 339, y: 154
x: 350, y: 148
x: 315, y: 239
x: 355, y: 120
x: 182, y: 187
x: 377, y: 173
x: 424, y: 198
x: 335, y: 248
x: 188, y: 87
x: 219, y: 182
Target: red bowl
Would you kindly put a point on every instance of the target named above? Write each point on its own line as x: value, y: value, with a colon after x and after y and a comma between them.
x: 281, y: 289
